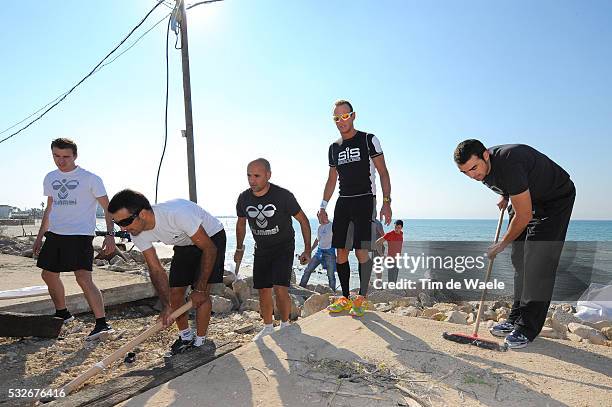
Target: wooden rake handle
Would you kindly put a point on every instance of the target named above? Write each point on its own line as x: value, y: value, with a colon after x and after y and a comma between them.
x: 107, y: 361
x: 488, y: 275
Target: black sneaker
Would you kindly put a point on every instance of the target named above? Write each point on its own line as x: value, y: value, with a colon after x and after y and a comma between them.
x: 180, y: 346
x: 67, y: 317
x: 501, y: 330
x: 98, y: 331
x: 516, y: 340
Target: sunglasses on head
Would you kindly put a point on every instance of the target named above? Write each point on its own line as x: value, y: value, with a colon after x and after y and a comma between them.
x: 344, y: 116
x: 127, y: 221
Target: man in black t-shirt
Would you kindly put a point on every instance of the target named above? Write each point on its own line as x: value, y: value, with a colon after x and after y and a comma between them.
x: 542, y: 197
x: 268, y: 209
x: 354, y: 160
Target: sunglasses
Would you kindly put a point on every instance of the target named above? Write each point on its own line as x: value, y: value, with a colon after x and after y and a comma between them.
x: 344, y: 116
x: 127, y: 221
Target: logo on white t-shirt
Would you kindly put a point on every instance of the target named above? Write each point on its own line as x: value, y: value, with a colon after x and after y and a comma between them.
x: 261, y: 213
x: 64, y: 186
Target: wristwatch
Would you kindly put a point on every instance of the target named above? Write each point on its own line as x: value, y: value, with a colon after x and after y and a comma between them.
x: 386, y: 199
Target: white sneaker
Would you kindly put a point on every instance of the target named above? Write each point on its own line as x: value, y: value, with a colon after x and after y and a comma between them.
x: 267, y: 330
x: 284, y: 324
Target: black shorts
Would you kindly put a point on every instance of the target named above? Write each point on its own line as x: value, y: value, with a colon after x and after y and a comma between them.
x: 61, y: 253
x: 353, y: 226
x: 187, y: 263
x: 273, y: 266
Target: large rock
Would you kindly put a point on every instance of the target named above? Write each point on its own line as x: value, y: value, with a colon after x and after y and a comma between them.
x: 410, y: 311
x: 230, y: 295
x: 314, y: 304
x: 445, y: 307
x: 467, y: 308
x: 383, y: 307
x: 220, y: 305
x: 217, y: 289
x: 440, y: 316
x: 295, y: 308
x: 561, y: 319
x: 323, y: 289
x: 405, y: 302
x: 243, y: 287
x: 429, y: 312
x: 426, y: 299
x: 549, y: 333
x: 586, y: 332
x: 250, y: 304
x: 27, y: 253
x: 500, y: 304
x: 502, y: 313
x: 489, y: 315
x: 600, y: 325
x: 117, y: 261
x: 607, y: 332
x: 100, y: 262
x: 379, y: 296
x: 471, y: 318
x: 229, y: 278
x: 456, y: 317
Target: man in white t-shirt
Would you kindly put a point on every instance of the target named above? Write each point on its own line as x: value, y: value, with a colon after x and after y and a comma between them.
x: 69, y: 225
x: 199, y: 255
x: 325, y: 255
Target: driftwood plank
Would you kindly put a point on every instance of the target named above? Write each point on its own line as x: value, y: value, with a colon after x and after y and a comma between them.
x: 14, y: 324
x: 138, y: 381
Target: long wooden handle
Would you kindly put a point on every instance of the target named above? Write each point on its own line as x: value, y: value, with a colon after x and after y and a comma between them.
x: 107, y: 361
x: 488, y: 275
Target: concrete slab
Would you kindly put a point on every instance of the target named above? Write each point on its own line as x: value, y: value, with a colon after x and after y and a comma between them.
x: 117, y: 288
x: 279, y: 372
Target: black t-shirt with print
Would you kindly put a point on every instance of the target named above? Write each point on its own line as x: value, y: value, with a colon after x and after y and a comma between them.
x: 269, y: 216
x: 518, y: 167
x: 353, y: 160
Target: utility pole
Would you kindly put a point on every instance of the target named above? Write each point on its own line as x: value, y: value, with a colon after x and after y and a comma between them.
x: 193, y: 195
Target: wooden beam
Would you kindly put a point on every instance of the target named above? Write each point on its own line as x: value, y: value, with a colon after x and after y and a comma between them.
x: 135, y: 382
x: 14, y: 324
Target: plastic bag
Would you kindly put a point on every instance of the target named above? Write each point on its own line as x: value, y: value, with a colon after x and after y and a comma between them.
x: 595, y: 304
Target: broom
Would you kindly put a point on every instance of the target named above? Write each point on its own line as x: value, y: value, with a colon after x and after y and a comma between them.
x: 474, y: 339
x: 107, y: 361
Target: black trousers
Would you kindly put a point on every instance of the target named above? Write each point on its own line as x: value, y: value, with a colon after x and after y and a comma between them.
x: 535, y: 257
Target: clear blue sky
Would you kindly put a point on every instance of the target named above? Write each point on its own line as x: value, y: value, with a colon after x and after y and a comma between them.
x: 422, y: 76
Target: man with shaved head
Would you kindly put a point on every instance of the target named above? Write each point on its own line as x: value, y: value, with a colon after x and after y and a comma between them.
x: 268, y: 209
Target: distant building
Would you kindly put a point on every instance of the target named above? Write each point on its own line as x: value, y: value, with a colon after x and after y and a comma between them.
x: 5, y: 211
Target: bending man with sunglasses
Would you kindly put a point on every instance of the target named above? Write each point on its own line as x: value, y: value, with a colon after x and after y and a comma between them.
x: 199, y: 254
x: 354, y: 160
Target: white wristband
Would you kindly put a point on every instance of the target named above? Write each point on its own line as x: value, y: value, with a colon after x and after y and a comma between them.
x: 323, y: 204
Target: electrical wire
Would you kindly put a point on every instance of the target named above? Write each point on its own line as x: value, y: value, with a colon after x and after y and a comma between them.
x: 97, y: 70
x: 201, y: 2
x: 161, y: 160
x: 62, y: 97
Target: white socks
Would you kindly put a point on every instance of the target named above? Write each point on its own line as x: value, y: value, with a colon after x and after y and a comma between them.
x: 284, y: 324
x: 267, y: 330
x: 186, y: 334
x: 199, y: 340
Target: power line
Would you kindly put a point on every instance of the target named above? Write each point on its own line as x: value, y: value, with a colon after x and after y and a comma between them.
x: 97, y: 70
x: 201, y: 2
x: 62, y: 97
x: 161, y: 160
